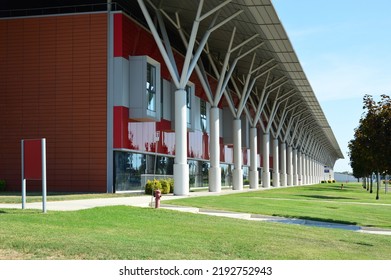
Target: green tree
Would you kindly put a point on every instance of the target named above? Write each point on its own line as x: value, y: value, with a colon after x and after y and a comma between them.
x: 370, y: 150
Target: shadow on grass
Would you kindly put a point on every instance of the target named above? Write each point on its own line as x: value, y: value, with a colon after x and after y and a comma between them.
x: 324, y: 220
x: 20, y: 211
x: 327, y: 188
x: 325, y: 197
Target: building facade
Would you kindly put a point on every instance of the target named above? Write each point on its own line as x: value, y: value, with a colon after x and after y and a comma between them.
x: 93, y: 80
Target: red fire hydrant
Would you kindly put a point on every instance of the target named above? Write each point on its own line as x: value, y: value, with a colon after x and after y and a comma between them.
x: 158, y: 195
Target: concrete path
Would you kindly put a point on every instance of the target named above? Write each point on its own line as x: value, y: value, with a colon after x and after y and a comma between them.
x: 147, y: 201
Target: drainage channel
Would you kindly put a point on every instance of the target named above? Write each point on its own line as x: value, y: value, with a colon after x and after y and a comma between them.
x: 292, y: 221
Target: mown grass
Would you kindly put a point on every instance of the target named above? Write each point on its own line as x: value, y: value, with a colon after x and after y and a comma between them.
x: 13, y: 197
x: 120, y: 232
x: 324, y: 202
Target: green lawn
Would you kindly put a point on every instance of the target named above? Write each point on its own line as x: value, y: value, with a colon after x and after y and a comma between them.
x: 121, y: 232
x: 324, y: 202
x: 12, y: 197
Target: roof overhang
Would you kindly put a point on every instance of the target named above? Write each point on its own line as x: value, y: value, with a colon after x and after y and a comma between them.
x: 258, y: 17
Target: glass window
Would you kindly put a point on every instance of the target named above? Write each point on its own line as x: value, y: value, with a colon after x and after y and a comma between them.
x: 151, y: 87
x: 203, y: 115
x: 132, y: 170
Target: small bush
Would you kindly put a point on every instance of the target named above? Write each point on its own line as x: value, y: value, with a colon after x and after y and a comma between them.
x: 246, y: 182
x: 165, y: 186
x: 151, y: 186
x: 322, y: 182
x: 2, y: 185
x: 329, y: 181
x: 333, y: 181
x: 171, y: 183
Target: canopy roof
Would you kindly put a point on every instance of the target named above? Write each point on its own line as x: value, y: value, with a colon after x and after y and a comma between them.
x: 258, y: 17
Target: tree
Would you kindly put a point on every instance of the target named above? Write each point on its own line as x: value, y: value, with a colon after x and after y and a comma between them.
x: 370, y: 150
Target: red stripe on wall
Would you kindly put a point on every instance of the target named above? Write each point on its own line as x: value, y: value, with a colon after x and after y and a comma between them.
x: 118, y: 49
x: 121, y: 115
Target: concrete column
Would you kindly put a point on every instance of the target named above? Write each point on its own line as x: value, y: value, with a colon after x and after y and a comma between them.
x: 214, y: 151
x: 294, y: 167
x: 283, y: 179
x: 237, y: 173
x: 318, y: 174
x: 253, y: 158
x: 306, y: 169
x: 265, y: 155
x: 321, y: 171
x: 181, y: 168
x: 299, y: 169
x: 289, y: 166
x: 303, y: 169
x: 276, y: 172
x: 309, y: 170
x: 312, y: 172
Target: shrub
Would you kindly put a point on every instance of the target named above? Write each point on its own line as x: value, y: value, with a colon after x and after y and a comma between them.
x: 246, y: 182
x: 333, y: 181
x: 171, y: 183
x: 323, y: 182
x: 329, y: 181
x: 165, y: 186
x: 2, y: 185
x: 151, y: 186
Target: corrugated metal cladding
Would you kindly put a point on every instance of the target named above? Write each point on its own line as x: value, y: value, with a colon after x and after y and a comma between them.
x: 53, y: 84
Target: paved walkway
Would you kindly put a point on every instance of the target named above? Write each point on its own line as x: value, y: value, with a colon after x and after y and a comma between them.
x: 147, y: 201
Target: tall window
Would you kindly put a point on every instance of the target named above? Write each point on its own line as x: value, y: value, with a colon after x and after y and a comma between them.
x: 151, y: 87
x: 188, y: 104
x: 203, y: 115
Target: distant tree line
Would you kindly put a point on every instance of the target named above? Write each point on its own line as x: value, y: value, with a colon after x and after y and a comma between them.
x: 370, y: 150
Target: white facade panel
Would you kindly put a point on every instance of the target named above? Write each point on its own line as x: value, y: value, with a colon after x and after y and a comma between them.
x: 121, y: 82
x: 139, y: 99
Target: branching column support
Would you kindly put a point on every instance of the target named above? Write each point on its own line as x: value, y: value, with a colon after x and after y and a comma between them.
x: 273, y: 113
x: 259, y: 109
x: 289, y: 153
x: 297, y: 177
x: 244, y: 95
x: 181, y: 168
x: 283, y: 144
x: 224, y: 75
x: 266, y: 138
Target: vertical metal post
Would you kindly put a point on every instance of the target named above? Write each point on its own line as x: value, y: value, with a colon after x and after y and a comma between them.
x: 23, y: 180
x: 43, y: 147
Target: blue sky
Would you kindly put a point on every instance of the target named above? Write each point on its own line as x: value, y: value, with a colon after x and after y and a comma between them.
x: 344, y: 47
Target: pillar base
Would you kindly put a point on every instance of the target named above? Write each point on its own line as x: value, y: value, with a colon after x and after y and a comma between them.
x: 181, y: 179
x: 276, y: 179
x: 237, y: 179
x: 265, y: 179
x: 215, y: 179
x: 283, y: 182
x: 253, y: 179
x: 295, y: 180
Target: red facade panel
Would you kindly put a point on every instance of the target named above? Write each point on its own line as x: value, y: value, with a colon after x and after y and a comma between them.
x: 54, y: 86
x: 131, y: 39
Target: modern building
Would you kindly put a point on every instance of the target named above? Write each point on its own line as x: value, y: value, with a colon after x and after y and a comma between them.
x: 210, y: 93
